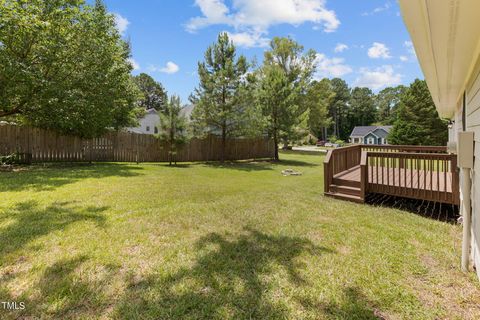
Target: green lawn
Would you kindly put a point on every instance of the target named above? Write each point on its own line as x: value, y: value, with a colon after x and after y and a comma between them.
x: 206, y: 241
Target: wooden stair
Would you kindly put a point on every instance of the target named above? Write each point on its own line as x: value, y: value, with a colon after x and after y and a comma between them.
x: 345, y: 190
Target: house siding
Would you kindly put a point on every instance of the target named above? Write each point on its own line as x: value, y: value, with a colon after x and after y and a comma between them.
x: 365, y: 139
x: 473, y: 124
x: 472, y: 119
x: 150, y: 120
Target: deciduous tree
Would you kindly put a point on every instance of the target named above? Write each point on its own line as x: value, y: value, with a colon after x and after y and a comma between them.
x: 64, y: 66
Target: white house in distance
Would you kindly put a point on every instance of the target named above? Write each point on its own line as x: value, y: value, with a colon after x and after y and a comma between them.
x: 370, y: 134
x: 446, y: 37
x: 149, y: 123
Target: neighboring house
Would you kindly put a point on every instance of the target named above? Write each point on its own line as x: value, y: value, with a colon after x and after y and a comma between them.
x: 149, y: 123
x: 370, y: 134
x: 187, y: 110
x: 446, y: 38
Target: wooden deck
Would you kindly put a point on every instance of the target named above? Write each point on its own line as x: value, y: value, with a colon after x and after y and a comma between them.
x: 410, y: 178
x: 353, y: 172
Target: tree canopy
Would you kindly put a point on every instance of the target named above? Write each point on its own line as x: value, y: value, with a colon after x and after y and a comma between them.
x: 173, y: 127
x: 218, y: 106
x: 153, y: 94
x: 417, y: 121
x: 283, y: 85
x: 64, y: 66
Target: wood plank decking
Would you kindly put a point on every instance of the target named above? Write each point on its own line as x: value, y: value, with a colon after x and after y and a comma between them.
x: 351, y: 173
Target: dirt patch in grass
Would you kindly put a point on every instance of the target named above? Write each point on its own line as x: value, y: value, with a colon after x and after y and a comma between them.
x: 445, y: 288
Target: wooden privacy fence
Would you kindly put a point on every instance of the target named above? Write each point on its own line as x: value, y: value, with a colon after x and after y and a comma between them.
x: 38, y: 145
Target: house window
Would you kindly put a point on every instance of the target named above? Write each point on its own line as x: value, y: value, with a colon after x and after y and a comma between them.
x: 156, y: 130
x: 370, y: 141
x: 148, y: 128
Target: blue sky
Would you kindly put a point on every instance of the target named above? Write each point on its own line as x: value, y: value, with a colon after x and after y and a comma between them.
x: 363, y: 42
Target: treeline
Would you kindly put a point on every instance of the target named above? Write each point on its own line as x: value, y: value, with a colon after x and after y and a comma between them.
x: 281, y: 98
x: 64, y: 66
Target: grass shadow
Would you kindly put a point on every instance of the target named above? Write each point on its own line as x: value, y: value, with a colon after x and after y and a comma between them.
x: 64, y: 292
x: 51, y: 176
x: 259, y: 165
x: 429, y: 209
x: 352, y: 304
x: 230, y: 279
x: 30, y: 221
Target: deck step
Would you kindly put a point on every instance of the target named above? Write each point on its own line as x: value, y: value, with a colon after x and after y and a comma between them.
x: 346, y: 183
x: 353, y: 191
x: 346, y: 197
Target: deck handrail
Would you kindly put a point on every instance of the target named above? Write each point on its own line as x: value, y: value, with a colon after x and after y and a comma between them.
x: 411, y: 174
x: 405, y: 148
x: 345, y: 158
x: 338, y: 160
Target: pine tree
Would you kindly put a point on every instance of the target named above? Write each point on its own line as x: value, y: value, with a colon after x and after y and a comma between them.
x: 387, y: 102
x: 417, y: 120
x: 362, y: 108
x: 339, y: 108
x: 173, y: 128
x: 218, y: 105
x: 154, y: 95
x: 284, y: 80
x: 319, y: 97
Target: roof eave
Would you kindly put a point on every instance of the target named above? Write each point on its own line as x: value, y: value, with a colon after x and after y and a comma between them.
x: 446, y: 38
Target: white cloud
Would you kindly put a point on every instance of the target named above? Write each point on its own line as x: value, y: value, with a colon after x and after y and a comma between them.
x: 341, y: 47
x: 378, y: 78
x: 121, y: 23
x: 385, y: 7
x: 334, y: 67
x: 170, y: 68
x: 249, y: 40
x: 255, y: 17
x: 410, y: 48
x: 134, y: 64
x: 379, y: 50
x: 411, y: 55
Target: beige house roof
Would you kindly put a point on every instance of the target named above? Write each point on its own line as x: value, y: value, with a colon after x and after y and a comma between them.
x: 446, y: 37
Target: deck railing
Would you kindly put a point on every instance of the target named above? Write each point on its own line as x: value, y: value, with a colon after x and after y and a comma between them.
x: 340, y: 160
x: 426, y: 176
x: 420, y: 172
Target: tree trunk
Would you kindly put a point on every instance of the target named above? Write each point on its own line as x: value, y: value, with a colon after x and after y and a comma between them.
x: 224, y: 143
x: 275, y: 143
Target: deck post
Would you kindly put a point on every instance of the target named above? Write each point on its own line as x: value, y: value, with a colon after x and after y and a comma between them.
x: 327, y: 172
x: 455, y: 180
x: 363, y: 174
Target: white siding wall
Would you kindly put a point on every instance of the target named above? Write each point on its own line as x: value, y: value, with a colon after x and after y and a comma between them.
x: 473, y: 124
x: 150, y: 120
